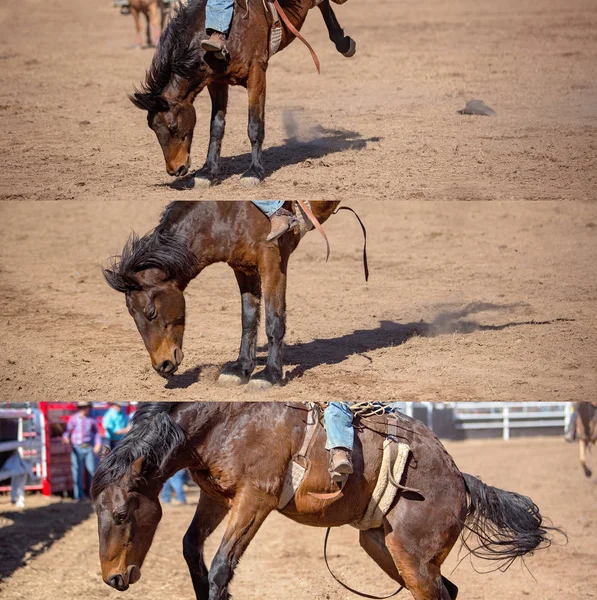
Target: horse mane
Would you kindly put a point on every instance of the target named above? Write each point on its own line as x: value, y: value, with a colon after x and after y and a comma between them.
x: 154, y: 436
x: 159, y: 249
x: 178, y: 54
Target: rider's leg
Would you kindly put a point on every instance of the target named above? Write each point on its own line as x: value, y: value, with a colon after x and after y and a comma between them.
x: 281, y: 219
x: 218, y: 16
x: 340, y: 439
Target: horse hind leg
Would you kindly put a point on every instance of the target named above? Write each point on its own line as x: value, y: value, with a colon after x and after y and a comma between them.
x: 137, y: 18
x: 155, y: 25
x: 583, y: 458
x: 374, y: 543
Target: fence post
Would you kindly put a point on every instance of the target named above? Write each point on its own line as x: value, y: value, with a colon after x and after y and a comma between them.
x: 506, y: 414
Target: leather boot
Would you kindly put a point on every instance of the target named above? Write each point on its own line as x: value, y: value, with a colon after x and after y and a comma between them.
x: 216, y: 43
x: 340, y: 464
x: 281, y: 221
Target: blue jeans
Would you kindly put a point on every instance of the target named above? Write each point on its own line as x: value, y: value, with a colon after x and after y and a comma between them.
x: 338, y: 425
x: 174, y: 483
x: 218, y: 15
x: 268, y: 207
x: 82, y: 459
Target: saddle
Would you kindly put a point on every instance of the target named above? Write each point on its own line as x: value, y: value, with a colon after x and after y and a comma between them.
x: 395, y: 456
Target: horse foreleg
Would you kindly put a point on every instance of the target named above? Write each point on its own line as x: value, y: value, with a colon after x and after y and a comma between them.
x: 344, y: 44
x: 251, y: 507
x: 583, y: 457
x: 208, y: 516
x: 155, y: 25
x: 240, y: 370
x: 219, y: 103
x: 137, y: 19
x: 256, y: 130
x: 272, y: 267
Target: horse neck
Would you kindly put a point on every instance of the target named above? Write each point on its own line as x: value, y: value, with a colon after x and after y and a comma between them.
x: 323, y: 210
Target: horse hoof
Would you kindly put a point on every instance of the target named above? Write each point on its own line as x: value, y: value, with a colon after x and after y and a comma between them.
x: 229, y: 380
x: 203, y: 182
x: 260, y: 385
x: 352, y: 48
x: 250, y: 182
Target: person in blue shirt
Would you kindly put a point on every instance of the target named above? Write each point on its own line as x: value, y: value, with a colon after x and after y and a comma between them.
x: 115, y: 423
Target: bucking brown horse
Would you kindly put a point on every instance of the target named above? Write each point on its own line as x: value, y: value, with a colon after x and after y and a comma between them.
x: 153, y: 272
x: 181, y: 69
x: 586, y: 430
x: 238, y: 454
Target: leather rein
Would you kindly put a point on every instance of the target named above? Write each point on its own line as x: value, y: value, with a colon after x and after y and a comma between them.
x: 296, y: 33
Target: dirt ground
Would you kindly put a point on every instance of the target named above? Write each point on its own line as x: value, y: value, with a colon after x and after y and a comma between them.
x: 382, y: 125
x: 466, y: 301
x: 53, y: 544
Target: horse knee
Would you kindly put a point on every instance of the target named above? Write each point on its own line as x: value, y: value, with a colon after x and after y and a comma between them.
x: 190, y: 549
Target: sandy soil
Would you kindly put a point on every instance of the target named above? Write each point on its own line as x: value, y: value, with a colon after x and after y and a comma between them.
x: 54, y: 547
x: 466, y: 301
x: 380, y: 125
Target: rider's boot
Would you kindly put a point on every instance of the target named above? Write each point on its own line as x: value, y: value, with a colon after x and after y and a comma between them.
x: 281, y: 221
x: 216, y: 43
x: 340, y: 464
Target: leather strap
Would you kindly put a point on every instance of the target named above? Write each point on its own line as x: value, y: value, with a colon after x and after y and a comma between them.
x: 296, y: 32
x: 365, y: 264
x: 307, y: 210
x: 347, y: 587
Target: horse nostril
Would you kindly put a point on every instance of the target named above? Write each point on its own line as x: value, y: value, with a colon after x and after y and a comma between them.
x: 117, y: 582
x: 181, y: 171
x: 167, y: 367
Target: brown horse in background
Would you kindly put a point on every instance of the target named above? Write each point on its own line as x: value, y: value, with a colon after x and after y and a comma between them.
x: 180, y: 70
x: 238, y: 454
x: 153, y: 272
x: 156, y: 13
x: 586, y: 430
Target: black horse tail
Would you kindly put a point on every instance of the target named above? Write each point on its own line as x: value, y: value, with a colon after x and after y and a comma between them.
x: 506, y: 525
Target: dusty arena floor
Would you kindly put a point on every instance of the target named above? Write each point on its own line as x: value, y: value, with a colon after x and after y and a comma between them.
x: 382, y: 125
x: 466, y: 301
x: 53, y: 544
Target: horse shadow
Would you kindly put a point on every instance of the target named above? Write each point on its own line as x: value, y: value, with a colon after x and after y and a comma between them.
x: 33, y: 532
x: 292, y: 151
x: 390, y: 334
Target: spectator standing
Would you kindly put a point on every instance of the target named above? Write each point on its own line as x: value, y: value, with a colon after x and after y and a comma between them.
x: 84, y: 437
x: 116, y: 424
x: 174, y: 483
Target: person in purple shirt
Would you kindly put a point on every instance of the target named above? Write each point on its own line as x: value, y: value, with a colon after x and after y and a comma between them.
x: 83, y: 435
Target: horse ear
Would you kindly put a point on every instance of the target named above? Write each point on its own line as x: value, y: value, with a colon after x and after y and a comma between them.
x: 136, y: 468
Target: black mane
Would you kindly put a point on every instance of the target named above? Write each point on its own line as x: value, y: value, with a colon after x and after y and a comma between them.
x: 153, y: 436
x: 158, y: 249
x: 178, y: 54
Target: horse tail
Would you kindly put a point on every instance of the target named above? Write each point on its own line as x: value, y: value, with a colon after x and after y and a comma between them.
x: 506, y: 525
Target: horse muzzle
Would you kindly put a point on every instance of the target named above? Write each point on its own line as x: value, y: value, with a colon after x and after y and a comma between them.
x: 122, y: 581
x: 167, y: 368
x: 178, y: 171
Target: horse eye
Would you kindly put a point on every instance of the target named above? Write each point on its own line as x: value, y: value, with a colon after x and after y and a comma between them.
x: 173, y: 127
x: 119, y: 518
x: 150, y: 313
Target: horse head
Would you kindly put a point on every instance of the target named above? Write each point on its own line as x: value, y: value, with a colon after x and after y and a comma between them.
x: 173, y: 123
x: 128, y: 516
x: 152, y: 272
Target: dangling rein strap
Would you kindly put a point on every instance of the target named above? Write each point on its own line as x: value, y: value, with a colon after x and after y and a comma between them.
x: 307, y: 210
x: 325, y: 557
x: 365, y: 263
x: 296, y: 32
